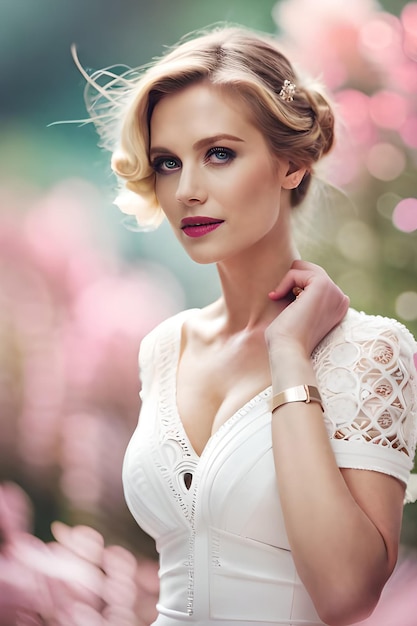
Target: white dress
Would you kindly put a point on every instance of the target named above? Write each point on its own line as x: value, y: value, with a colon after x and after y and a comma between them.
x: 224, y: 552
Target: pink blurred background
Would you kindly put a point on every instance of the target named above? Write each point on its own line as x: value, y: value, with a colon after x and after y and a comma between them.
x: 78, y: 291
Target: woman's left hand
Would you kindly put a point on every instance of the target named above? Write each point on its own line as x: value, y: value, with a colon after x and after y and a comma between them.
x: 318, y: 307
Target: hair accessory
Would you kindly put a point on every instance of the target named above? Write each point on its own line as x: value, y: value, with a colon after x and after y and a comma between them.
x: 301, y: 393
x: 287, y: 91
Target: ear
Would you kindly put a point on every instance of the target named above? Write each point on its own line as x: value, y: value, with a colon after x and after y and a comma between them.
x: 293, y: 177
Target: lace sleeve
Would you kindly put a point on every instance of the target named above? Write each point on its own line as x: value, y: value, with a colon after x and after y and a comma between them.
x: 367, y: 376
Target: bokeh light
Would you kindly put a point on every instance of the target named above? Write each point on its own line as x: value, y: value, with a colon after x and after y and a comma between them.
x: 408, y: 131
x: 405, y: 215
x: 357, y: 242
x: 388, y: 109
x: 386, y: 203
x: 406, y: 305
x: 385, y: 161
x: 380, y: 39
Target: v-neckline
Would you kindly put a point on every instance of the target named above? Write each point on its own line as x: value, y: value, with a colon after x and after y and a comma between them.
x: 243, y: 410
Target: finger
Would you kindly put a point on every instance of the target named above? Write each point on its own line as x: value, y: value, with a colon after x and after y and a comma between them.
x: 296, y: 291
x: 294, y: 279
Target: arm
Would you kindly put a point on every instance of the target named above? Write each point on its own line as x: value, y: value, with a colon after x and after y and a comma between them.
x: 343, y: 525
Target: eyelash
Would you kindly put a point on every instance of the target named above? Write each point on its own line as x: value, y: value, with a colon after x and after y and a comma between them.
x: 218, y: 150
x: 158, y: 163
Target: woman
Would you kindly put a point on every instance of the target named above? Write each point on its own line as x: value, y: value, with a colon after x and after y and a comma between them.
x: 278, y: 426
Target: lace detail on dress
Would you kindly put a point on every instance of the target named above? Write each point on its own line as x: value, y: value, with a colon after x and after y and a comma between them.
x: 172, y: 454
x: 368, y: 382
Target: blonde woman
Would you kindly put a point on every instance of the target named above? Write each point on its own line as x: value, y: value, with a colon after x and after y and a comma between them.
x: 278, y: 425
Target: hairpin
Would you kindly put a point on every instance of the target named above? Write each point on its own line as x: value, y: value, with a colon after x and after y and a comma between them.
x: 287, y: 91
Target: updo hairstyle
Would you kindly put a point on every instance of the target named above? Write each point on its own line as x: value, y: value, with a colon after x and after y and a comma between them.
x: 248, y: 64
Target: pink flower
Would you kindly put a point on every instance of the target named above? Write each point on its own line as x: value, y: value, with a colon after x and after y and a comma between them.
x: 76, y: 580
x: 72, y: 315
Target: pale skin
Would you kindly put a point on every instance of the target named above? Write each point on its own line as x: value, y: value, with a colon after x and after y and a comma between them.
x: 211, y: 160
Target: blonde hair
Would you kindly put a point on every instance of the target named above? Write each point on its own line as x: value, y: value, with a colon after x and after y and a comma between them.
x: 249, y: 64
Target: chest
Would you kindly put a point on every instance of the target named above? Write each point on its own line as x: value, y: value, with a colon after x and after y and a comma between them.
x: 215, y: 381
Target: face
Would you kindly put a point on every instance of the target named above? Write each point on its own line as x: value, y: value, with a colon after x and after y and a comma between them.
x: 216, y: 180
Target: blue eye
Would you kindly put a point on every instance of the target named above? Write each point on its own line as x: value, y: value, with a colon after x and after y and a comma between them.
x: 163, y: 165
x: 221, y: 155
x: 170, y: 164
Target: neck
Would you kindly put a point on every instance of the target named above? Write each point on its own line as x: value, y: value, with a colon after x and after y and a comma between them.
x: 247, y: 280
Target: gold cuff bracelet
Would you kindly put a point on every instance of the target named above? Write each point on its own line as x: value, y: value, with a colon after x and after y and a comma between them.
x: 301, y: 393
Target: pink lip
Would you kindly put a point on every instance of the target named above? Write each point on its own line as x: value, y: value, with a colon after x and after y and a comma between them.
x: 198, y: 226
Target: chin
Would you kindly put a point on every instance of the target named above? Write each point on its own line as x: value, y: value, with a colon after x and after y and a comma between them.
x: 201, y: 259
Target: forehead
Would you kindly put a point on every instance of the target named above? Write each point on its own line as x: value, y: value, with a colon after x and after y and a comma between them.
x: 201, y: 108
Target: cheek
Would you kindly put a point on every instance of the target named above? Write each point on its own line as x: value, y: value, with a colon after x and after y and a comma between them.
x: 256, y: 184
x: 165, y: 191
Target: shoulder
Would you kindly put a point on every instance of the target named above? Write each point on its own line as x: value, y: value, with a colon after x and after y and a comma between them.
x: 368, y: 352
x: 362, y: 325
x: 167, y: 331
x: 157, y: 349
x: 366, y: 371
x: 382, y: 338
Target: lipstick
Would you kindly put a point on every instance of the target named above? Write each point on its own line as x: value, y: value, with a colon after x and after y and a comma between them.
x: 198, y: 226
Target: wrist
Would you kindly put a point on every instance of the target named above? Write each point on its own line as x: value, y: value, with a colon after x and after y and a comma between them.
x: 290, y: 366
x: 288, y: 352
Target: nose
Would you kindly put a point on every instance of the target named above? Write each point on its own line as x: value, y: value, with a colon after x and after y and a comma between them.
x: 190, y: 189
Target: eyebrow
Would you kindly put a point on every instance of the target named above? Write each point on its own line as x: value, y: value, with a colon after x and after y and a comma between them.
x: 200, y: 143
